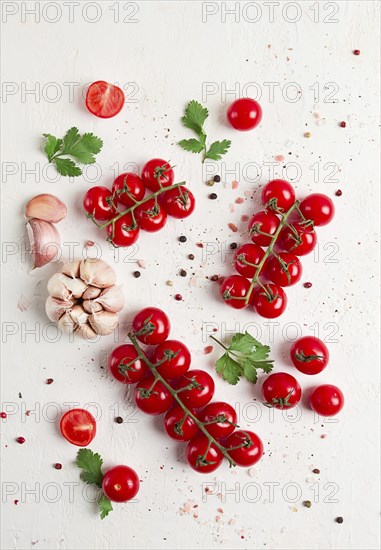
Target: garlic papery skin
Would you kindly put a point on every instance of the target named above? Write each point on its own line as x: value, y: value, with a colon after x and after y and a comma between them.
x: 55, y: 308
x: 91, y: 292
x: 44, y: 241
x: 111, y: 299
x: 97, y: 273
x: 45, y: 207
x: 91, y: 306
x: 103, y: 322
x: 71, y: 269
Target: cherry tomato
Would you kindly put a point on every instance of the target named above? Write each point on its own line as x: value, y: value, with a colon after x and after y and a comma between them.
x: 251, y: 253
x: 244, y: 114
x: 309, y: 355
x: 201, y: 392
x: 281, y: 390
x: 225, y: 416
x: 104, y: 100
x: 78, y: 426
x: 125, y: 366
x: 178, y: 425
x: 97, y: 202
x: 269, y: 302
x: 251, y: 449
x: 178, y: 203
x: 152, y: 397
x: 201, y: 456
x: 128, y: 188
x: 157, y: 173
x: 299, y: 239
x: 327, y: 400
x: 150, y: 216
x: 122, y: 232
x: 234, y: 287
x: 178, y: 359
x: 278, y: 194
x: 265, y: 222
x: 318, y: 207
x: 151, y: 326
x: 284, y: 269
x: 120, y: 484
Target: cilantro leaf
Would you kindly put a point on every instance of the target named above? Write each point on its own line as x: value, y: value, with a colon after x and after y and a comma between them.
x: 67, y: 167
x: 52, y: 145
x: 229, y: 369
x: 192, y: 145
x: 195, y: 116
x: 105, y: 506
x: 92, y: 143
x: 90, y: 464
x: 71, y: 137
x: 217, y: 149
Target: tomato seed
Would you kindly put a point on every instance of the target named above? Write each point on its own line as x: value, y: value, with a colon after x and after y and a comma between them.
x: 183, y: 239
x: 338, y: 193
x: 137, y: 274
x: 20, y: 440
x: 49, y: 381
x: 343, y: 124
x: 58, y: 466
x: 119, y: 420
x: 356, y: 52
x: 3, y: 415
x: 178, y: 297
x: 307, y: 285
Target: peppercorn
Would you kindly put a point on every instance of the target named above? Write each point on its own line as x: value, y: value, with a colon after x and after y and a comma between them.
x: 178, y: 297
x: 3, y: 415
x: 137, y: 274
x: 307, y: 285
x: 217, y: 178
x: 169, y: 283
x: 50, y: 381
x: 191, y: 256
x: 214, y: 278
x: 316, y: 471
x: 339, y: 520
x: 343, y: 124
x: 183, y: 239
x: 307, y: 503
x: 210, y: 183
x: 183, y: 273
x: 307, y: 134
x: 356, y: 52
x: 233, y: 246
x: 58, y: 466
x: 338, y: 193
x: 213, y: 196
x: 119, y: 420
x: 20, y: 440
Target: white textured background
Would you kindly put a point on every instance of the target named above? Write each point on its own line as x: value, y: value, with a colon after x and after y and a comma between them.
x: 171, y: 54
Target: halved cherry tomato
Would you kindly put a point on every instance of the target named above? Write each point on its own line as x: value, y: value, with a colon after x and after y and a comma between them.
x: 262, y: 227
x: 233, y: 291
x: 78, y: 426
x: 177, y: 359
x: 122, y: 232
x: 150, y: 216
x: 104, y: 100
x: 284, y: 269
x: 157, y: 173
x: 250, y: 447
x: 128, y: 189
x: 248, y: 254
x: 179, y: 203
x: 179, y: 425
x: 120, y: 483
x: 151, y: 326
x: 203, y: 456
x: 125, y: 365
x: 270, y: 301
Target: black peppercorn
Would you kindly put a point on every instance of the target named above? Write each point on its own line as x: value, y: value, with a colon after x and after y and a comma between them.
x: 216, y: 178
x: 183, y: 273
x: 183, y: 239
x: 119, y: 420
x: 213, y: 196
x: 137, y: 274
x: 339, y: 520
x: 233, y: 246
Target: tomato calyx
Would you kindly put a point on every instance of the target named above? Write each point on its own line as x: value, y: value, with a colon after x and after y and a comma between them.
x: 202, y: 461
x: 160, y: 172
x: 147, y: 328
x: 193, y: 385
x: 272, y: 204
x: 125, y: 368
x: 280, y: 402
x: 308, y: 358
x: 220, y: 419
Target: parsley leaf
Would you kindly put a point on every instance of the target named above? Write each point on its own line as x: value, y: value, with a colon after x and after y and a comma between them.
x: 67, y: 167
x: 90, y: 464
x: 217, y: 149
x: 192, y: 145
x: 105, y: 506
x: 243, y: 357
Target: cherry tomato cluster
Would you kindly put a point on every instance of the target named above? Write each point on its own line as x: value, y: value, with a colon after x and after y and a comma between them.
x: 127, y: 208
x: 166, y: 384
x: 285, y: 228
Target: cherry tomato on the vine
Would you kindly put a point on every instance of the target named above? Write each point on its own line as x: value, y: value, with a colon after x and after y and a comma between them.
x: 179, y: 202
x: 104, y: 100
x: 263, y: 222
x: 122, y: 232
x: 225, y: 416
x: 152, y: 397
x: 309, y: 355
x: 235, y: 287
x: 298, y: 238
x: 281, y: 390
x: 157, y: 173
x: 327, y: 400
x: 125, y: 365
x: 250, y: 253
x: 150, y: 216
x: 284, y: 269
x: 318, y: 207
x: 202, y: 456
x: 128, y: 189
x: 120, y: 483
x: 179, y: 425
x: 250, y: 447
x: 270, y: 301
x: 177, y: 359
x: 78, y: 426
x: 97, y: 202
x: 201, y: 388
x: 244, y: 114
x: 278, y: 194
x: 151, y: 326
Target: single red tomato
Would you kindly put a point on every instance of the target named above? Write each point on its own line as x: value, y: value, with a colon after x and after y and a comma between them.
x: 128, y: 189
x: 120, y: 484
x: 98, y: 203
x: 233, y: 291
x: 269, y: 301
x: 179, y: 203
x: 157, y: 173
x: 298, y: 238
x: 246, y: 258
x: 309, y: 355
x: 179, y: 425
x: 104, y: 100
x: 244, y: 114
x: 244, y: 447
x: 220, y: 419
x: 78, y: 426
x: 125, y: 365
x: 327, y: 400
x: 176, y: 356
x: 278, y: 195
x: 200, y: 388
x: 151, y: 326
x: 284, y: 269
x: 281, y: 390
x: 123, y: 232
x: 152, y: 397
x: 150, y: 216
x: 203, y: 456
x: 318, y: 207
x: 262, y: 227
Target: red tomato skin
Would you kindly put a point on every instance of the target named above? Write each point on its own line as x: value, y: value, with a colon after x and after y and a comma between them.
x: 123, y: 236
x: 309, y: 346
x: 134, y: 186
x: 156, y: 166
x: 196, y: 448
x: 150, y: 216
x: 327, y: 400
x: 178, y: 203
x: 266, y: 221
x: 253, y: 254
x: 120, y: 484
x: 95, y: 203
x: 196, y: 397
x: 280, y: 191
x: 235, y: 285
x: 287, y: 243
x: 276, y: 273
x: 245, y: 456
x: 156, y: 323
x: 158, y: 402
x: 244, y: 114
x: 122, y: 355
x: 78, y: 426
x: 104, y: 100
x: 270, y: 309
x: 178, y: 365
x: 219, y: 429
x: 189, y: 427
x: 319, y: 208
x: 278, y: 386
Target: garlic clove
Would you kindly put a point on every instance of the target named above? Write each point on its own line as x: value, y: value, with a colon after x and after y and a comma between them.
x: 45, y: 207
x: 91, y: 292
x: 79, y: 315
x: 111, y: 299
x: 71, y: 269
x: 55, y: 308
x: 76, y: 286
x: 66, y: 323
x: 44, y: 241
x: 97, y: 273
x: 91, y: 306
x: 57, y: 287
x: 103, y: 322
x: 86, y: 332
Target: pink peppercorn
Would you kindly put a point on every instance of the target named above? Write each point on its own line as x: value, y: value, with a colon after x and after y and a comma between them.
x: 20, y: 440
x: 3, y: 415
x: 356, y: 52
x: 338, y: 193
x: 178, y: 297
x: 58, y: 466
x: 343, y: 124
x: 307, y: 285
x: 50, y: 381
